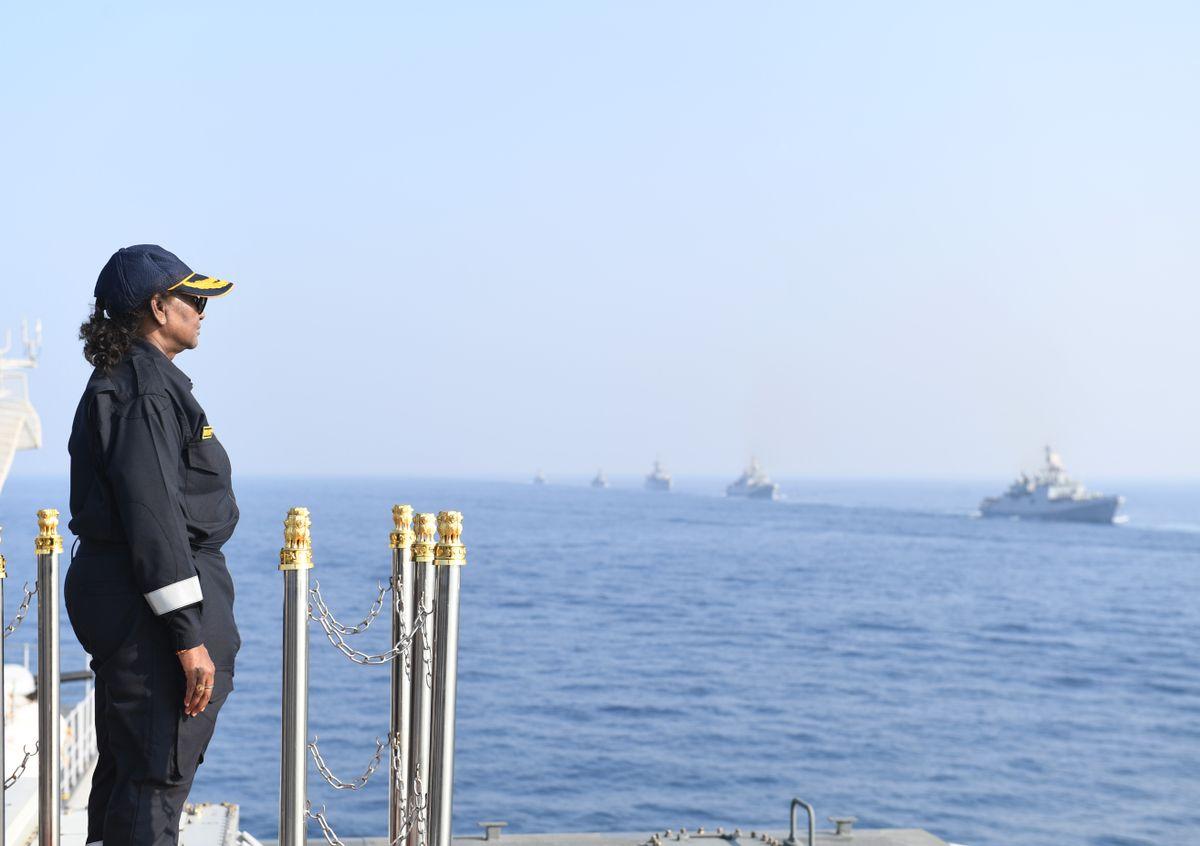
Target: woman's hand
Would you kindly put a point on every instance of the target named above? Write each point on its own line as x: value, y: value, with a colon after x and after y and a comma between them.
x: 198, y: 670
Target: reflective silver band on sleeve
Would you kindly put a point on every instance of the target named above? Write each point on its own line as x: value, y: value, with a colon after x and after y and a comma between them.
x: 176, y: 595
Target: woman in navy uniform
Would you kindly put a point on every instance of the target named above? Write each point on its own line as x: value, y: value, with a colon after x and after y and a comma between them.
x: 148, y: 592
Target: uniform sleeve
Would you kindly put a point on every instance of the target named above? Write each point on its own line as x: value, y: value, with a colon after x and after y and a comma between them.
x: 142, y: 461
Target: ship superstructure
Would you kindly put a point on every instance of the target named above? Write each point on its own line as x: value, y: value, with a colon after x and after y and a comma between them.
x: 1051, y: 494
x: 754, y: 483
x: 20, y: 426
x: 601, y: 481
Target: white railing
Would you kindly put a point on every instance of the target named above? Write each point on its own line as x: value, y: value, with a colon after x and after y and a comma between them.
x: 79, y: 751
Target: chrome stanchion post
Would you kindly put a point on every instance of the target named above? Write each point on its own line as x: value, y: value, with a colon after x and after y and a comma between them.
x: 3, y: 704
x: 449, y: 557
x: 295, y: 560
x: 402, y: 623
x: 48, y: 545
x: 421, y: 676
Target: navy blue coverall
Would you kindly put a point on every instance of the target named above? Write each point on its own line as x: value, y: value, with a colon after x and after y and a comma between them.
x: 152, y: 503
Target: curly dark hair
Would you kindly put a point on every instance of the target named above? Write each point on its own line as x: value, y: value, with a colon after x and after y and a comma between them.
x: 107, y: 339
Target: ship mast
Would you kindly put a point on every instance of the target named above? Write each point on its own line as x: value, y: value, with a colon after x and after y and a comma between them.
x: 31, y: 343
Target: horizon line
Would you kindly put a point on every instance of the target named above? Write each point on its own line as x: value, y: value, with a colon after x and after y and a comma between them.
x: 526, y: 478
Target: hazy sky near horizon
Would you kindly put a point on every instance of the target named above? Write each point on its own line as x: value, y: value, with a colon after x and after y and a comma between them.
x: 485, y: 238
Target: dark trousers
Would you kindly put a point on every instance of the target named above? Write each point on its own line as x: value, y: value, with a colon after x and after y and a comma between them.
x: 149, y: 751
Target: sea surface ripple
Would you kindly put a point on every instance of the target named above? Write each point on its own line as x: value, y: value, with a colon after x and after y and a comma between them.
x: 637, y: 661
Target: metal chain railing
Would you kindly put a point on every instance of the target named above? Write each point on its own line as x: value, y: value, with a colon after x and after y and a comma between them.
x: 22, y: 609
x: 339, y: 627
x: 414, y: 804
x: 332, y: 838
x: 398, y: 609
x: 335, y: 782
x: 12, y: 779
x: 326, y: 829
x: 414, y: 812
x: 336, y: 633
x: 426, y: 643
x: 420, y: 689
x: 338, y: 639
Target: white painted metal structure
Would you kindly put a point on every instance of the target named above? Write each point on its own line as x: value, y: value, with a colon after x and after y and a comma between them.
x: 20, y: 426
x: 77, y: 759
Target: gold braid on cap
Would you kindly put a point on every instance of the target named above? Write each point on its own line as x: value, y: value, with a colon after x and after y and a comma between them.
x: 450, y: 549
x: 48, y: 539
x: 297, y: 541
x: 402, y: 516
x: 423, y: 543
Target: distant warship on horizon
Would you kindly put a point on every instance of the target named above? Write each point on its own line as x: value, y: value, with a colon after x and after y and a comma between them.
x: 1052, y: 495
x: 754, y: 483
x: 219, y: 823
x: 658, y: 479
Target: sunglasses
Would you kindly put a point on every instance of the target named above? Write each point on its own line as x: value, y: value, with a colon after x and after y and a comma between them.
x: 197, y: 303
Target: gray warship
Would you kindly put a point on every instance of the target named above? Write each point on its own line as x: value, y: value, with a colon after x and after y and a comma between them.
x: 658, y: 479
x: 754, y: 483
x: 1052, y: 495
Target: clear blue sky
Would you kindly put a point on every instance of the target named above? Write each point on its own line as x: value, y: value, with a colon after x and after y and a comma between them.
x: 483, y: 238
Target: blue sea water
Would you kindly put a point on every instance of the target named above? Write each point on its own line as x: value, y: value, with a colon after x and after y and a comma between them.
x: 637, y: 661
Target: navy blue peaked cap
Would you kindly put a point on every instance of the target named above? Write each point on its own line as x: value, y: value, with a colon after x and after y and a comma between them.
x: 136, y: 273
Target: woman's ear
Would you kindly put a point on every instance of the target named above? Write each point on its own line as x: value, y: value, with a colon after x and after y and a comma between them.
x: 159, y: 310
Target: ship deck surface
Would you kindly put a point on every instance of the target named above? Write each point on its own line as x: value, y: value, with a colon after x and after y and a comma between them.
x: 859, y: 837
x: 217, y: 825
x: 201, y: 825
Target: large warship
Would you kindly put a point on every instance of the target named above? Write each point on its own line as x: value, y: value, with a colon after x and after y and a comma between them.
x: 754, y: 483
x: 1050, y: 494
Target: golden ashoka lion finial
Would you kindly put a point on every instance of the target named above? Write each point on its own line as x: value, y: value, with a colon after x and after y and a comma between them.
x: 296, y: 529
x: 450, y: 549
x: 48, y: 539
x: 402, y: 516
x: 297, y: 541
x: 3, y: 563
x: 424, y: 529
x: 47, y: 522
x: 449, y: 526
